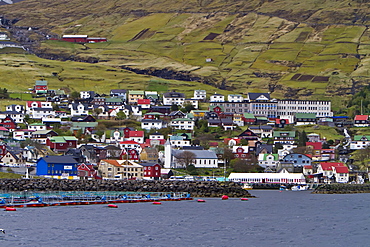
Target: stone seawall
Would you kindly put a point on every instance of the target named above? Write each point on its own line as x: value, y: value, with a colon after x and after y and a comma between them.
x: 342, y: 189
x: 195, y: 188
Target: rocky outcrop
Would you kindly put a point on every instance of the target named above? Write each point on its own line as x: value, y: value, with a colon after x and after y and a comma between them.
x: 195, y: 188
x: 342, y: 189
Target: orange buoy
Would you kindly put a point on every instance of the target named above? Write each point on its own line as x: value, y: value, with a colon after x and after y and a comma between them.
x: 112, y: 206
x: 157, y: 203
x: 224, y: 197
x: 201, y: 200
x: 244, y: 199
x: 10, y: 209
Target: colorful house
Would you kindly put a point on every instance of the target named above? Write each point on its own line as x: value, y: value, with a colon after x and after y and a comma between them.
x: 151, y: 171
x: 57, y: 167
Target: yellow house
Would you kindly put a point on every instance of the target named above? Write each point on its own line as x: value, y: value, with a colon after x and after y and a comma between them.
x: 198, y: 113
x: 120, y: 169
x: 134, y: 96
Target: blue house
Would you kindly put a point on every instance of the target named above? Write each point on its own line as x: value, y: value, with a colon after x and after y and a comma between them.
x: 57, y: 166
x: 298, y: 160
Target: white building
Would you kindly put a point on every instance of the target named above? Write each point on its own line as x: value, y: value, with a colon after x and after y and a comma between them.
x: 273, y: 178
x: 182, y: 124
x: 173, y: 98
x: 217, y: 98
x: 148, y: 124
x: 235, y: 98
x: 200, y: 94
x: 79, y: 109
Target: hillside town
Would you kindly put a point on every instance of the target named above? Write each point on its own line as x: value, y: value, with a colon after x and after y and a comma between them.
x: 131, y: 134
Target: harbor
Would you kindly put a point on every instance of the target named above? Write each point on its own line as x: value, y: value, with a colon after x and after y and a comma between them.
x: 44, y: 199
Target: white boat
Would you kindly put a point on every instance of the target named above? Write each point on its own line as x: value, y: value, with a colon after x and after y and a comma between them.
x: 247, y: 186
x: 299, y: 187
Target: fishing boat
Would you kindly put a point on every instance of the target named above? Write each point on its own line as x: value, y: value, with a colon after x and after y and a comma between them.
x: 247, y: 186
x: 299, y: 188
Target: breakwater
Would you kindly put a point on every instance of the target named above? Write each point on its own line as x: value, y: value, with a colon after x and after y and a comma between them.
x: 342, y: 189
x: 195, y: 188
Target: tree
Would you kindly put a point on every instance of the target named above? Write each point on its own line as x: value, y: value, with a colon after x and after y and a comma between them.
x: 361, y: 158
x: 186, y: 158
x: 121, y: 115
x: 174, y: 107
x: 228, y: 156
x: 97, y: 111
x: 75, y: 95
x: 244, y: 142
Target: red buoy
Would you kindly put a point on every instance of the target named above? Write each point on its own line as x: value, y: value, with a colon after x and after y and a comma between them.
x: 244, y: 199
x: 201, y: 200
x: 224, y: 197
x: 10, y: 209
x: 157, y: 203
x: 112, y: 206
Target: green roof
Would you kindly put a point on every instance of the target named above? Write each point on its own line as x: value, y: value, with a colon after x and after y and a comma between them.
x: 41, y: 83
x: 305, y: 115
x: 62, y: 139
x: 276, y: 156
x: 81, y: 125
x: 109, y: 100
x: 261, y: 118
x: 37, y: 124
x: 248, y: 115
x: 57, y: 139
x: 135, y: 92
x: 284, y: 134
x: 361, y: 138
x: 211, y: 107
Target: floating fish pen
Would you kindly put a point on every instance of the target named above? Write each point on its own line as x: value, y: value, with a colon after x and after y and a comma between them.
x: 63, y: 198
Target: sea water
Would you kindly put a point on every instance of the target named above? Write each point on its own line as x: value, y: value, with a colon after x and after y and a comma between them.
x: 274, y: 218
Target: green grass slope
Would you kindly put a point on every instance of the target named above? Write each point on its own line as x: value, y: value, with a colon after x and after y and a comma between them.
x: 293, y: 49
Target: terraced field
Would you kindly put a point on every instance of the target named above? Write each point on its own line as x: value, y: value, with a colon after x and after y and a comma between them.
x: 259, y: 50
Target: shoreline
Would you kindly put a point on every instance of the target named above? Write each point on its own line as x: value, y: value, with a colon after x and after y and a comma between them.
x: 194, y: 188
x: 342, y: 189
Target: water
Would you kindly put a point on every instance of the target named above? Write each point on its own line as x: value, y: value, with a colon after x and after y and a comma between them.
x: 273, y: 219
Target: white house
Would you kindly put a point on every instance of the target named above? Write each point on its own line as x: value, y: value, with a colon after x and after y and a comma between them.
x: 200, y: 94
x: 148, y: 124
x: 268, y: 161
x: 37, y: 126
x: 79, y: 109
x: 202, y: 158
x: 179, y: 141
x: 235, y: 98
x: 360, y: 142
x: 332, y: 170
x: 217, y: 98
x: 173, y: 98
x: 182, y: 124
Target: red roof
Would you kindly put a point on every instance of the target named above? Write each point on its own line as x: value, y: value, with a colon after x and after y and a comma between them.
x: 128, y: 142
x: 143, y: 101
x: 30, y: 102
x: 237, y: 140
x: 278, y: 121
x: 327, y: 166
x: 315, y: 145
x: 308, y: 167
x: 361, y: 117
x: 342, y: 169
x: 136, y: 133
x: 3, y: 128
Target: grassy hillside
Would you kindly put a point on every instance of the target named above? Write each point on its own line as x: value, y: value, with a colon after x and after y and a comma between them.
x: 293, y: 49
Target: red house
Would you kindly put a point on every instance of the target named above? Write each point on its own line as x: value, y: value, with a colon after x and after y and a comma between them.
x: 87, y: 171
x: 241, y: 152
x: 151, y: 171
x: 61, y: 143
x: 8, y: 123
x: 75, y: 38
x: 133, y: 154
x: 2, y: 150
